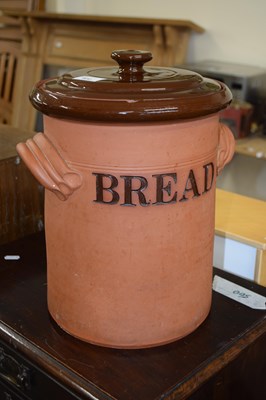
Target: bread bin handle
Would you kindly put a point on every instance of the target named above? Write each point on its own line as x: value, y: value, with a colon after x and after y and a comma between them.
x: 49, y: 168
x: 226, y: 147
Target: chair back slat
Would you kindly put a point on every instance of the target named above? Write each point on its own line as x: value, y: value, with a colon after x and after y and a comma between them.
x: 9, y: 53
x: 9, y: 81
x: 2, y: 71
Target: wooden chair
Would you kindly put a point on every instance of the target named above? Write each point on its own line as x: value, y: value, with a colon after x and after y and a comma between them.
x: 9, y: 53
x: 21, y: 197
x: 10, y: 45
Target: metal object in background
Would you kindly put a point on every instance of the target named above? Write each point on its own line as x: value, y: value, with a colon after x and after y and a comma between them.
x: 246, y: 82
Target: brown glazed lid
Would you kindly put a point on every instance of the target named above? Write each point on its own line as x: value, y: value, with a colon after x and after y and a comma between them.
x: 130, y: 93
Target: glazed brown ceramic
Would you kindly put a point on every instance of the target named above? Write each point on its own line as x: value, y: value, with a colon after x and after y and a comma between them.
x: 130, y: 93
x: 129, y: 158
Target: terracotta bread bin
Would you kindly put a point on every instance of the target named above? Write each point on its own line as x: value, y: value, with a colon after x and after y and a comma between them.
x: 129, y: 158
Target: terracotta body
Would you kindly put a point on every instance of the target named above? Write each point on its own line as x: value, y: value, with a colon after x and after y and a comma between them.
x: 130, y: 247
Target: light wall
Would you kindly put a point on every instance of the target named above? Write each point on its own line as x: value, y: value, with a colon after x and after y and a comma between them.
x: 235, y: 29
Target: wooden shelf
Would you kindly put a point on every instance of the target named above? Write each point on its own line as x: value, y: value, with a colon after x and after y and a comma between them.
x: 111, y: 19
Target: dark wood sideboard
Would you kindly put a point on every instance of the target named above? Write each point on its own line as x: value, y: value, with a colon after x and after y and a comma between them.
x: 225, y: 358
x: 21, y: 196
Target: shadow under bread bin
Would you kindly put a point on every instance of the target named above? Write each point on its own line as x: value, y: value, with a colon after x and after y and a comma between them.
x: 129, y: 158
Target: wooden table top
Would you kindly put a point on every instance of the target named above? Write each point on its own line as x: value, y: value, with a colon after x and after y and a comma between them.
x: 173, y: 371
x: 241, y: 218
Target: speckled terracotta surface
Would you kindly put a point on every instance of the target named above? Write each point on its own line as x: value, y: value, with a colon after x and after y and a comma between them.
x: 129, y: 213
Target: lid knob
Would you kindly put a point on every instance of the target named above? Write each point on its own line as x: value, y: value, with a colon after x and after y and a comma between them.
x: 131, y: 64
